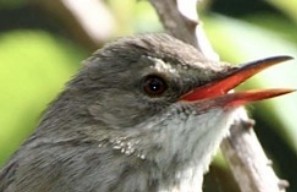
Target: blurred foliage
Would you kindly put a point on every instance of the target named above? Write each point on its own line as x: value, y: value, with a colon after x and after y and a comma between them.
x: 34, y: 66
x: 137, y: 17
x: 37, y: 60
x: 11, y: 4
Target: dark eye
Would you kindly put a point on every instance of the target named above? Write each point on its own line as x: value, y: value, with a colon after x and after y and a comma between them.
x: 154, y: 86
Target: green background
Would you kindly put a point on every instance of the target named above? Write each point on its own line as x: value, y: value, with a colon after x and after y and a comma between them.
x: 40, y: 51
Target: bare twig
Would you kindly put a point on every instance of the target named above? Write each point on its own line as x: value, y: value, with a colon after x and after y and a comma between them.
x: 247, y: 160
x: 250, y: 166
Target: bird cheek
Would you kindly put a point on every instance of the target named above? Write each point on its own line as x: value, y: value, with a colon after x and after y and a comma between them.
x: 117, y: 115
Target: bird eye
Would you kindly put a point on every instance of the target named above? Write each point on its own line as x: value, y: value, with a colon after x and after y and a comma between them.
x: 154, y: 86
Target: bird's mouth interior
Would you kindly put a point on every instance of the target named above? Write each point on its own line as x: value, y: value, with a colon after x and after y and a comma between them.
x: 223, y: 85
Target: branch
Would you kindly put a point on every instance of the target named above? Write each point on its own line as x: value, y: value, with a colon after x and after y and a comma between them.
x: 249, y: 164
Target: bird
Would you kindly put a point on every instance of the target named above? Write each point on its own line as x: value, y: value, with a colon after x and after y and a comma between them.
x: 145, y: 113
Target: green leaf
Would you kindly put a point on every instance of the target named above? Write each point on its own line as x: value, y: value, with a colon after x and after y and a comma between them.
x: 34, y: 66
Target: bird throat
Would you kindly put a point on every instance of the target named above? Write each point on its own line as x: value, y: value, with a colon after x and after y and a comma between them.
x: 180, y: 145
x: 185, y: 142
x: 193, y: 142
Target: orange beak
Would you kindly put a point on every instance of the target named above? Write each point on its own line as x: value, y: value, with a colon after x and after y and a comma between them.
x: 222, y: 86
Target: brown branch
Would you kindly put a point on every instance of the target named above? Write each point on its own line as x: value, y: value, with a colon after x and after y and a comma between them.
x: 247, y: 160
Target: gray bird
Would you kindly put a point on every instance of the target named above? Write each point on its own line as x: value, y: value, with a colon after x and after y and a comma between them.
x: 144, y: 114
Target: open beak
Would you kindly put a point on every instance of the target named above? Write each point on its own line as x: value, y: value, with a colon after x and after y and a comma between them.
x: 223, y: 85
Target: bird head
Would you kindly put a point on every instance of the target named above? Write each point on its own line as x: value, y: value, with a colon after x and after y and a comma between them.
x: 156, y: 98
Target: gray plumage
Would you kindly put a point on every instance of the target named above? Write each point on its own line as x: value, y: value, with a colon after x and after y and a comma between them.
x: 104, y: 134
